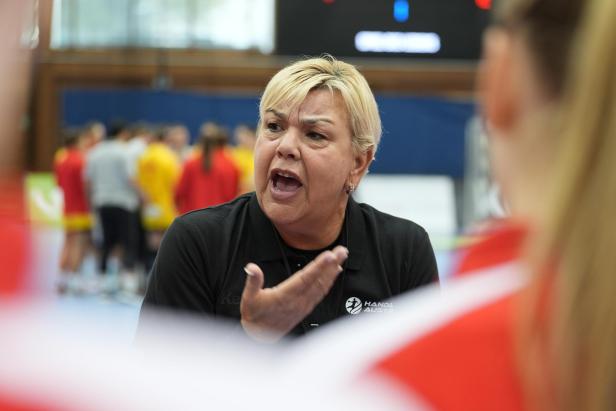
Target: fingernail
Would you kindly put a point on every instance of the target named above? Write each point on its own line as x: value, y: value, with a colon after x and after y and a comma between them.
x: 247, y: 270
x: 330, y: 257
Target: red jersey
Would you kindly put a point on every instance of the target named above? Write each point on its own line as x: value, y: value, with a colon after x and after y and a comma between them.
x: 198, y: 188
x: 469, y: 362
x: 68, y: 168
x: 15, y: 237
x: 501, y: 242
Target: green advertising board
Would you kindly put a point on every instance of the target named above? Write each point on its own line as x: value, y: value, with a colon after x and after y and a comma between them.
x: 44, y: 199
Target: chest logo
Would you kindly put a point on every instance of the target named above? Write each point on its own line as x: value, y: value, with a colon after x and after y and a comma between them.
x: 353, y: 305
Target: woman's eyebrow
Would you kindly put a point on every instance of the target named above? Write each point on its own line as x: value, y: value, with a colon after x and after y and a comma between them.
x: 277, y: 113
x: 305, y: 120
x: 314, y: 120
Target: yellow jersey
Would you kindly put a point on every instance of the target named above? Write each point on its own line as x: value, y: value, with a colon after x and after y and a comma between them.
x: 158, y: 170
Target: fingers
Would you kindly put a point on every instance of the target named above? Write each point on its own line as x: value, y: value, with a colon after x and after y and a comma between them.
x: 278, y: 310
x: 312, y: 282
x: 341, y: 253
x: 254, y: 281
x: 316, y: 278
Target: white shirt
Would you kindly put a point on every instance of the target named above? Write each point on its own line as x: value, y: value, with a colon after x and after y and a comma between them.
x: 109, y: 172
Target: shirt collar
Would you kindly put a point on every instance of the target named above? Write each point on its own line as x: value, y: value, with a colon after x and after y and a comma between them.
x: 266, y: 246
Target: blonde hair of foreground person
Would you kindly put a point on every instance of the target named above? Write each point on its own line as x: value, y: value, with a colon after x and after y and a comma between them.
x: 579, y: 344
x: 290, y: 86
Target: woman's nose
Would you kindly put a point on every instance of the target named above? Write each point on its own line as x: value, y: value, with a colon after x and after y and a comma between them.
x: 288, y: 146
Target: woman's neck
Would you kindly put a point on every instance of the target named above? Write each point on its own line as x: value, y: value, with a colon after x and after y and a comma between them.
x: 316, y: 236
x: 535, y: 158
x: 529, y: 197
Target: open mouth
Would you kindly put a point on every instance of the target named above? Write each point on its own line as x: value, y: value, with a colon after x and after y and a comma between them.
x: 285, y: 182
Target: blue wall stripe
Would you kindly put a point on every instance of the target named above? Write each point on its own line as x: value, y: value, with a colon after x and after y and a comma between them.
x: 421, y: 135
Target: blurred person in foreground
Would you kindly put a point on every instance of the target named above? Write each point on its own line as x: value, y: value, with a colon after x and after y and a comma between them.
x: 14, y: 87
x: 243, y: 155
x: 209, y: 177
x: 69, y: 172
x: 534, y: 326
x: 299, y: 252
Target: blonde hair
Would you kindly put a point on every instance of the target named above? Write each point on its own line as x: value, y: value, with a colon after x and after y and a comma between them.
x: 291, y: 85
x: 580, y: 231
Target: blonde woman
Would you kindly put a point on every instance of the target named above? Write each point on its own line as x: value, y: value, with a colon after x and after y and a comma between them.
x: 506, y: 342
x: 265, y: 260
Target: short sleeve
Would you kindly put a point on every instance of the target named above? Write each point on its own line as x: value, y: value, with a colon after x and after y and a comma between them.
x: 180, y: 278
x: 422, y: 268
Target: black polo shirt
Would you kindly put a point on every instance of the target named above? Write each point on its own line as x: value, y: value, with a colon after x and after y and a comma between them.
x: 200, y: 263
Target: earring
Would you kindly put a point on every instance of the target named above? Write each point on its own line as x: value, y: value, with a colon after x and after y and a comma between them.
x: 349, y: 188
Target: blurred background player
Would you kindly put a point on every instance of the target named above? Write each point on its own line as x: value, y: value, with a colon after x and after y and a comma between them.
x: 178, y: 138
x: 158, y: 170
x: 109, y: 176
x: 243, y: 155
x: 69, y: 168
x: 210, y: 177
x: 96, y: 132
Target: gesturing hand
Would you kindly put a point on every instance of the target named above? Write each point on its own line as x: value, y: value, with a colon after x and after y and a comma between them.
x: 268, y: 314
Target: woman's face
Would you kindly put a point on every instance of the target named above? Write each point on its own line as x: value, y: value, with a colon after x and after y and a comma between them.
x: 303, y: 160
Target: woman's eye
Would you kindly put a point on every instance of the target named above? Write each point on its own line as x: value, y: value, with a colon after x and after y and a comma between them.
x: 273, y: 126
x: 315, y: 136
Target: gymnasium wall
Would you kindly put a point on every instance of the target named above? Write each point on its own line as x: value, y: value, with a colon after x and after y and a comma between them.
x: 421, y: 135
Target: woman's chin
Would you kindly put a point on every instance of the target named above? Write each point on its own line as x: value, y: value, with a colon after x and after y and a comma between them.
x: 281, y: 213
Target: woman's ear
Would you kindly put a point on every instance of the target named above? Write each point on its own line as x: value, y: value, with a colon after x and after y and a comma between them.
x: 497, y: 91
x: 362, y: 161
